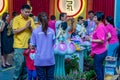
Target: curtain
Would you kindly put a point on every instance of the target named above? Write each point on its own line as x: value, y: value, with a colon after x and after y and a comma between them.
x: 40, y: 6
x: 106, y: 6
x: 17, y: 4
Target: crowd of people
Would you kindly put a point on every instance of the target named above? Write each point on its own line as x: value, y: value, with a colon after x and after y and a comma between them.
x: 33, y: 45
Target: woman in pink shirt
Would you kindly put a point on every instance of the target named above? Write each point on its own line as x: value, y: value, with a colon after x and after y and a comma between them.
x: 112, y: 36
x: 52, y: 22
x: 98, y: 46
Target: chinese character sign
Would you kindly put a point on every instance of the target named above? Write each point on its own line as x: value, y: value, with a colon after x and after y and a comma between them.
x: 71, y: 7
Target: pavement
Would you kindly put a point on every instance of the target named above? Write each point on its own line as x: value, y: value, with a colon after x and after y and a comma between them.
x: 7, y: 73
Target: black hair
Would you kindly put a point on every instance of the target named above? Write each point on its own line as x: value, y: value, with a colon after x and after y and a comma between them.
x: 100, y: 16
x: 73, y: 35
x: 25, y: 6
x: 43, y: 18
x: 79, y: 18
x: 62, y: 15
x: 14, y: 13
x: 4, y: 16
x: 85, y: 23
x: 31, y: 15
x: 110, y: 20
x: 28, y: 41
x: 52, y: 17
x: 64, y: 25
x: 90, y: 12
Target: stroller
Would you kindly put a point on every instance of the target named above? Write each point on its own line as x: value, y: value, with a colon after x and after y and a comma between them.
x: 112, y: 62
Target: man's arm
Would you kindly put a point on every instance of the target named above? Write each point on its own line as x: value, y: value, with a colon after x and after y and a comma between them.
x: 16, y: 31
x: 28, y: 25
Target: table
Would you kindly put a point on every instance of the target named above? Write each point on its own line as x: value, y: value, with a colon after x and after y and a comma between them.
x: 87, y: 49
x: 60, y: 63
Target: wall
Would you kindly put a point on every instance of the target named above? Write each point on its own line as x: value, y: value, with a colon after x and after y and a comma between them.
x: 106, y: 6
x: 117, y: 12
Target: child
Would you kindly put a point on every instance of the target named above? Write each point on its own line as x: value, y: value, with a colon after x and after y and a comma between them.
x: 62, y: 32
x: 29, y: 54
x: 80, y: 28
x: 52, y: 22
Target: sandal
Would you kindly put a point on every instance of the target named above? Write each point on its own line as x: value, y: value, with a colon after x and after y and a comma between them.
x: 3, y: 66
x: 8, y: 65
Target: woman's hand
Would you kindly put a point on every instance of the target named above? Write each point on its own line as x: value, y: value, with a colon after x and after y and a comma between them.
x: 88, y: 38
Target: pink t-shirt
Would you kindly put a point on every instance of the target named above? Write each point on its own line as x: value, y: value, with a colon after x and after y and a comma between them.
x: 99, y: 33
x: 113, y: 33
x: 51, y: 24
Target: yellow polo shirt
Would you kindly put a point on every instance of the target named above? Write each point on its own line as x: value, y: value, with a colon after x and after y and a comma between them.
x: 21, y: 39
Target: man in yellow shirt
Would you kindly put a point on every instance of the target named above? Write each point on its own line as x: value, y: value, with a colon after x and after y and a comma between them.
x: 22, y: 28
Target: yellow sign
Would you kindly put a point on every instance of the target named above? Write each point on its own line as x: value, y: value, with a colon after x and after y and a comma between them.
x: 3, y: 6
x: 73, y: 8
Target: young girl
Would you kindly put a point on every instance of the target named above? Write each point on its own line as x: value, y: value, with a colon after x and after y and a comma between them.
x: 52, y: 22
x: 43, y: 39
x: 29, y: 54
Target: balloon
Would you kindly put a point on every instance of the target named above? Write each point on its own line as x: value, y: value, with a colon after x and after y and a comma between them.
x: 62, y: 48
x: 32, y: 56
x: 55, y: 48
x: 71, y: 48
